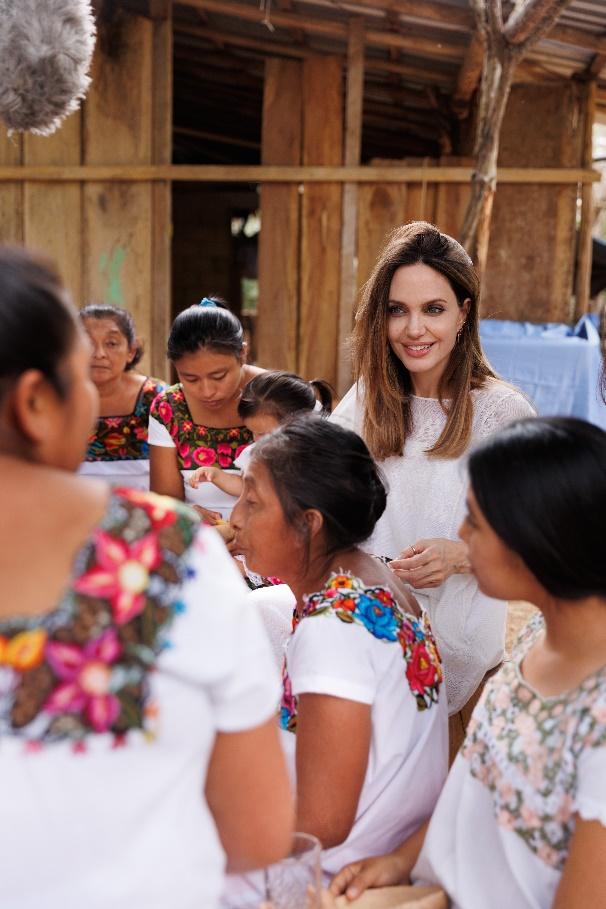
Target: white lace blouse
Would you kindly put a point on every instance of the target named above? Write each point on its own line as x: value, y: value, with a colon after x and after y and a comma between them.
x: 426, y: 499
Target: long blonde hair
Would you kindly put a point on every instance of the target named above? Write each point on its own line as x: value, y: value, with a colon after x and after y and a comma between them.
x: 387, y: 383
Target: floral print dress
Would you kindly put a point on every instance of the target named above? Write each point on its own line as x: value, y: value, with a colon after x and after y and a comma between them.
x: 171, y: 426
x: 118, y: 450
x: 109, y: 708
x: 355, y: 642
x: 528, y: 767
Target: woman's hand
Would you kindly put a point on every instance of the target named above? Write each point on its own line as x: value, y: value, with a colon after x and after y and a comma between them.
x: 428, y: 563
x: 380, y: 871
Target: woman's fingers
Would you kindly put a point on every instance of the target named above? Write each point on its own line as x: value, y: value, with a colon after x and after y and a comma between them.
x: 344, y: 878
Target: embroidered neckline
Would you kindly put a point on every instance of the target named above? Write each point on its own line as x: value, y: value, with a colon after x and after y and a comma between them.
x: 346, y: 597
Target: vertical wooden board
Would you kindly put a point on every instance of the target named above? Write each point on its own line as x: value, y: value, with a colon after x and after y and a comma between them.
x: 381, y: 208
x: 452, y: 199
x: 278, y: 278
x: 118, y: 112
x: 11, y: 194
x: 162, y: 103
x: 278, y: 307
x: 53, y: 211
x: 118, y: 250
x: 321, y: 219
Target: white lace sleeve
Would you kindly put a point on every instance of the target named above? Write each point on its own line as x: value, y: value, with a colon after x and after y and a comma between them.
x: 349, y: 413
x: 505, y: 408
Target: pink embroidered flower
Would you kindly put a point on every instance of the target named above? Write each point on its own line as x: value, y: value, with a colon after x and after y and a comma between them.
x: 530, y: 817
x: 598, y: 712
x: 85, y: 676
x: 121, y: 573
x: 111, y: 422
x: 548, y: 855
x: 141, y: 433
x: 187, y: 425
x: 164, y: 411
x: 204, y: 457
x: 239, y: 449
x: 504, y: 819
x: 178, y: 395
x: 184, y: 449
x: 224, y: 452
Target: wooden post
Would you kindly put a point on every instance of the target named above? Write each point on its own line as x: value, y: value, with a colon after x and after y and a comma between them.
x: 353, y: 143
x: 162, y: 147
x: 277, y: 341
x: 321, y: 220
x: 583, y: 274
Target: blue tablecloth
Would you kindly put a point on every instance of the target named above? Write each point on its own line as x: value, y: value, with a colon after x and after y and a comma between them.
x: 557, y: 366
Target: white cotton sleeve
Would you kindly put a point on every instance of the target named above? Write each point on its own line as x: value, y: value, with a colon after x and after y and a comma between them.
x: 159, y: 435
x: 590, y: 800
x: 349, y: 412
x: 243, y: 459
x: 328, y: 656
x: 220, y: 643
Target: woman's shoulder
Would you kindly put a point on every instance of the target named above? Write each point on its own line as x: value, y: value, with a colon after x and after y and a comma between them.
x: 167, y: 403
x: 349, y: 412
x: 497, y: 403
x: 348, y: 599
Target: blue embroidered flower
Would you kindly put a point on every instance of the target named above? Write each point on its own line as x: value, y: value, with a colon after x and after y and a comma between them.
x: 377, y: 617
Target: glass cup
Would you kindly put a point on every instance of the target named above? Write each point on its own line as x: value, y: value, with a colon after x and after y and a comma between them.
x: 296, y: 881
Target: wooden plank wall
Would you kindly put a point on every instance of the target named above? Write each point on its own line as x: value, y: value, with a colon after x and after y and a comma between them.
x: 277, y: 334
x: 111, y: 241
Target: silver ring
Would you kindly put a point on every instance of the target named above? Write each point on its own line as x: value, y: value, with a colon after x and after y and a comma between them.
x: 414, y: 550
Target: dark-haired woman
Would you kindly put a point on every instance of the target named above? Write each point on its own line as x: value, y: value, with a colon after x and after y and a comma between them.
x: 117, y: 450
x: 363, y: 711
x: 132, y: 710
x: 195, y: 423
x: 424, y: 395
x: 522, y: 818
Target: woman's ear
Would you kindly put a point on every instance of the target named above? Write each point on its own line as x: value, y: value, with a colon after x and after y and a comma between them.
x: 33, y: 408
x: 464, y: 311
x: 314, y: 521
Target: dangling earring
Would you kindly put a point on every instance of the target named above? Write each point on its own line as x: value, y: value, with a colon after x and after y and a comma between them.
x: 459, y: 334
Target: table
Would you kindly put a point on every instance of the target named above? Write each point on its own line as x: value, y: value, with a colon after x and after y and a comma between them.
x: 558, y: 367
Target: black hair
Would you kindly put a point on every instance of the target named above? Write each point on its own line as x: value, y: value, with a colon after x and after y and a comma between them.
x: 37, y: 321
x: 314, y: 463
x: 283, y: 394
x: 212, y: 326
x: 541, y: 485
x: 123, y: 320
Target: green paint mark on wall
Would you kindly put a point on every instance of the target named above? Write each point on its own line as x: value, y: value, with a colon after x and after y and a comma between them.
x: 110, y: 268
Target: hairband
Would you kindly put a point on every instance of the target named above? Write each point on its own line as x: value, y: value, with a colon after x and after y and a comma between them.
x: 206, y: 301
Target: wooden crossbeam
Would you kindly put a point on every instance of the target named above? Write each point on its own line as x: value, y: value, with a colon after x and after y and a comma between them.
x: 335, y: 28
x: 277, y: 174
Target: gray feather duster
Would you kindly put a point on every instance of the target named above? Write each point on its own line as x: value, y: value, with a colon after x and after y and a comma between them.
x: 46, y: 48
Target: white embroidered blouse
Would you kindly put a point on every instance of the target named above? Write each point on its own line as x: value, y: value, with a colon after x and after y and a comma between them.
x: 426, y: 499
x: 500, y: 833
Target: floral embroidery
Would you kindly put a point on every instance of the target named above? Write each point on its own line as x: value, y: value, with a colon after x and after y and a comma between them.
x: 525, y: 750
x: 83, y: 668
x: 198, y: 446
x: 125, y: 438
x: 376, y: 610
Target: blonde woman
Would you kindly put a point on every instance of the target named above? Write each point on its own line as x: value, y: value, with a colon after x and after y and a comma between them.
x: 423, y: 395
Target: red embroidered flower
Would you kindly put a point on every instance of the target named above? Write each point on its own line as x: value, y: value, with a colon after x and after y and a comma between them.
x: 159, y: 509
x: 112, y: 422
x: 225, y: 454
x: 121, y: 573
x: 178, y: 395
x: 85, y: 675
x: 187, y: 425
x: 114, y: 441
x: 164, y: 411
x: 141, y: 433
x: 420, y: 671
x: 204, y: 457
x: 233, y: 434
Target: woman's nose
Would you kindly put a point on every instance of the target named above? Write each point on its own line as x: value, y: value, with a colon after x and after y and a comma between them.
x: 414, y: 325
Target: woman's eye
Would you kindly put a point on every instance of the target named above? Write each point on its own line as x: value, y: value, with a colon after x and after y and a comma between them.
x: 435, y: 310
x: 395, y: 310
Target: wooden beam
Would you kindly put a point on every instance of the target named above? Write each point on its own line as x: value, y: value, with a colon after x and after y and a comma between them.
x: 354, y: 101
x: 278, y: 48
x: 149, y: 9
x: 216, y: 137
x: 469, y: 75
x: 583, y: 273
x: 527, y: 18
x: 443, y: 14
x: 596, y: 66
x: 336, y: 28
x: 203, y: 173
